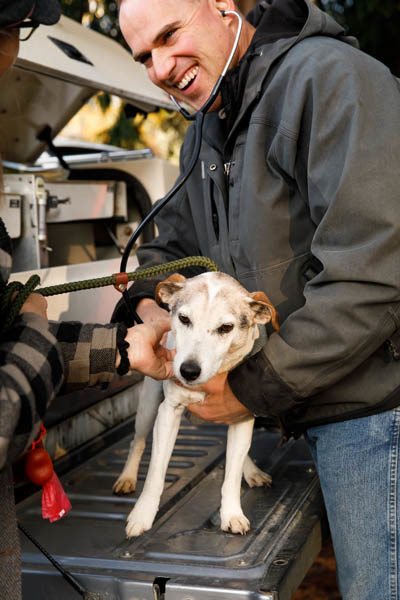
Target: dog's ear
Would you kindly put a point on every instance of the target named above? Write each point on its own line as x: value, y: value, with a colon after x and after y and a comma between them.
x: 264, y: 311
x: 165, y: 289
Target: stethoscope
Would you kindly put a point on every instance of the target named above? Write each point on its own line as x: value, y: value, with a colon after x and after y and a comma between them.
x: 198, y: 118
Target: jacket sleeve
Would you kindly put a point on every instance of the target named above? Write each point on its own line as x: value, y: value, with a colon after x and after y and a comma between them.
x: 346, y: 167
x: 88, y: 352
x: 31, y: 374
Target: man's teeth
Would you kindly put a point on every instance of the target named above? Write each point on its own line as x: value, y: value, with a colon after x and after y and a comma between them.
x: 188, y: 78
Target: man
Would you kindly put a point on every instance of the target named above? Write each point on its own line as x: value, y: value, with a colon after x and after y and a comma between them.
x: 296, y: 192
x: 38, y: 358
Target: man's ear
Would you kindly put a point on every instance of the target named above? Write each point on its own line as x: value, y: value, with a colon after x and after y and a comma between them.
x: 223, y: 5
x: 263, y: 309
x: 167, y: 288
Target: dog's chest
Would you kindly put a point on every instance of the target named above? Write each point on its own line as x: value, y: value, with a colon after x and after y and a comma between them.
x: 177, y: 395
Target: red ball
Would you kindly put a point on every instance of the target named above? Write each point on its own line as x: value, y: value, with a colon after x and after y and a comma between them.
x: 39, y: 466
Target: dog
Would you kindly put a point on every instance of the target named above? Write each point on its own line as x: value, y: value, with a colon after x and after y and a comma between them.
x: 214, y: 324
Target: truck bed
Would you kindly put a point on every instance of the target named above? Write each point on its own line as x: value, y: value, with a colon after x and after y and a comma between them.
x: 185, y: 556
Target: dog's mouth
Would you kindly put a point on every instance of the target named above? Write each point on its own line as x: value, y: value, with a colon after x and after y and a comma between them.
x: 187, y: 382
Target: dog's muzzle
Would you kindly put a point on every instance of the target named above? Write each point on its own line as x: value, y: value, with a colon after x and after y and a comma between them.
x: 190, y: 370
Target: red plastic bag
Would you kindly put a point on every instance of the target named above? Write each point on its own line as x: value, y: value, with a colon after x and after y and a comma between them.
x: 55, y: 503
x: 39, y: 469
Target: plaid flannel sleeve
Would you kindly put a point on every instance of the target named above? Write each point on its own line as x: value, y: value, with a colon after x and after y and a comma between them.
x: 89, y: 353
x: 39, y: 360
x: 31, y: 374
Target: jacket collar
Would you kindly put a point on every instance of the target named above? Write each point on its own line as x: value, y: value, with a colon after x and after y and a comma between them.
x: 280, y: 24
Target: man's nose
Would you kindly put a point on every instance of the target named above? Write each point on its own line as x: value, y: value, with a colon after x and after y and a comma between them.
x: 163, y: 65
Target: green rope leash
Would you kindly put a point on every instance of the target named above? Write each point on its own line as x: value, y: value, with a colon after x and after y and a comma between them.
x: 11, y: 307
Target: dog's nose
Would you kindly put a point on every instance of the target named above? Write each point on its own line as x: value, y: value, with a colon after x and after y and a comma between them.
x: 190, y: 370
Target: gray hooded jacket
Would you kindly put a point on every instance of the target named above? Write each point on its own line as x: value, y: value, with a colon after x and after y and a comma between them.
x: 297, y: 193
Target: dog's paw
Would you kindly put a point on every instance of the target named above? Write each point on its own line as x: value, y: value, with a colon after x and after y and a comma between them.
x: 124, y: 485
x: 135, y: 528
x: 257, y: 478
x: 236, y: 524
x: 140, y: 519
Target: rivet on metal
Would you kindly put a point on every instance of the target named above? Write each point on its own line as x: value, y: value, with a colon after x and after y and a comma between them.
x: 280, y: 562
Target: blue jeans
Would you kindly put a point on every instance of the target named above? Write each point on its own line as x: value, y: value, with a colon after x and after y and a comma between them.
x: 358, y: 467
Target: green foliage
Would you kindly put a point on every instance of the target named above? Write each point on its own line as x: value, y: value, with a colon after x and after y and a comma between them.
x: 104, y: 101
x: 375, y: 23
x: 123, y: 133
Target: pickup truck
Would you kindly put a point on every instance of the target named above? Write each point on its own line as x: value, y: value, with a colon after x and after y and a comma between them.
x: 68, y: 221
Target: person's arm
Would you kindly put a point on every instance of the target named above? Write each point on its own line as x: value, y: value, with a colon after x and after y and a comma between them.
x: 91, y: 351
x: 88, y: 351
x: 31, y: 374
x: 146, y: 352
x: 346, y: 167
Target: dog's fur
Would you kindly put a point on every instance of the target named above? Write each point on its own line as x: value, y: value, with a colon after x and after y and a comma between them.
x: 214, y: 325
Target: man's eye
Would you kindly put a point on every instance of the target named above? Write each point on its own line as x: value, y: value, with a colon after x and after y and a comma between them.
x: 185, y: 320
x: 225, y: 328
x: 144, y: 59
x: 169, y: 34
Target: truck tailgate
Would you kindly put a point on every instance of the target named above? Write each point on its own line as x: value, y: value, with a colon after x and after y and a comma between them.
x: 185, y: 556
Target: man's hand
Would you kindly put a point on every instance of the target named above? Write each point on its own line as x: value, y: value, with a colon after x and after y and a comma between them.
x: 35, y: 303
x: 220, y: 404
x: 145, y: 352
x: 150, y: 312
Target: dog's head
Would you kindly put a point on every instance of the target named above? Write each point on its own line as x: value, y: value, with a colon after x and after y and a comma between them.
x: 214, y: 320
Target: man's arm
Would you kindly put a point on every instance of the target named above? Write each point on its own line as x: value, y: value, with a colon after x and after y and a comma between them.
x: 346, y: 166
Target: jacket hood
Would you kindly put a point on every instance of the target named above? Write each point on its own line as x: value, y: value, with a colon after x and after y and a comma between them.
x: 280, y: 24
x: 275, y: 19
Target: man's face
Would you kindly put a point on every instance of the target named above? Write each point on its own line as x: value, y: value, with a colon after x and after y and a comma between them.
x: 184, y: 44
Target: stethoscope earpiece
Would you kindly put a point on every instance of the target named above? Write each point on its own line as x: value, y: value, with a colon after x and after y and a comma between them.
x: 213, y: 96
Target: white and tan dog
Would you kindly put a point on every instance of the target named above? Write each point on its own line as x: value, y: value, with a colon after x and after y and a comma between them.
x: 214, y: 323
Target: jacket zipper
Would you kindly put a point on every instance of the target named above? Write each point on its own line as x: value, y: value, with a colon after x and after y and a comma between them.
x: 227, y: 168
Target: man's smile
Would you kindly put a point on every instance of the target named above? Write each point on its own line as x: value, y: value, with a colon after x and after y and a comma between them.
x: 187, y: 79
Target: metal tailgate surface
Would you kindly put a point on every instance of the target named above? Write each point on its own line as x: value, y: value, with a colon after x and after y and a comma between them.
x: 185, y: 556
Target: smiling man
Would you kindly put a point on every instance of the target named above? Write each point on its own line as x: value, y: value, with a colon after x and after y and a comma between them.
x: 184, y: 48
x: 296, y: 193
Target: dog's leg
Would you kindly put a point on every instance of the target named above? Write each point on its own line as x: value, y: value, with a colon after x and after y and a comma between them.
x: 150, y: 398
x: 239, y: 439
x: 165, y: 431
x: 253, y: 475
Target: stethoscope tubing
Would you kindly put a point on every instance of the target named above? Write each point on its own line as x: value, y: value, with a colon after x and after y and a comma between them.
x: 198, y: 118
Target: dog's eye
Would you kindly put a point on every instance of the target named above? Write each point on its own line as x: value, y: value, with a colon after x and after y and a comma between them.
x: 225, y: 328
x: 184, y: 319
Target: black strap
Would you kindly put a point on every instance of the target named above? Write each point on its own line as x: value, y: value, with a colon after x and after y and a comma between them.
x: 66, y: 574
